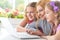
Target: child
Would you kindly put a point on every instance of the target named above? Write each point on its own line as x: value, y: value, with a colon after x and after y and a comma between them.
x: 30, y: 13
x: 52, y: 10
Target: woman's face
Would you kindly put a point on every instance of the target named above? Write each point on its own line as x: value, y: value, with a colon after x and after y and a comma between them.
x: 49, y: 14
x: 30, y: 13
x: 40, y: 11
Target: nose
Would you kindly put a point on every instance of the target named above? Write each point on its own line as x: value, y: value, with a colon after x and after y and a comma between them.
x: 45, y: 15
x: 39, y: 14
x: 29, y: 14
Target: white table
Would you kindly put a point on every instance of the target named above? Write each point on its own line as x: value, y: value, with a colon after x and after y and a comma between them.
x: 4, y: 35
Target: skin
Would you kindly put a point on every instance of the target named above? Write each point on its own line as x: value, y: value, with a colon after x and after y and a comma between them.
x: 50, y: 15
x: 40, y: 11
x: 30, y: 13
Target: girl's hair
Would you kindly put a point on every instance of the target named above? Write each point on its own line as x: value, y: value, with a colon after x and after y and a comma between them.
x: 55, y: 7
x: 32, y: 4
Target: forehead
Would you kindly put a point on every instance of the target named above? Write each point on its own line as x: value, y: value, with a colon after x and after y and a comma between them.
x: 47, y: 9
x: 30, y: 8
x: 39, y: 7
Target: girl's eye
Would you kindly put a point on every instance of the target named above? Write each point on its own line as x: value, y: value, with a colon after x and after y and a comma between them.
x: 29, y: 12
x: 37, y: 12
x: 47, y: 13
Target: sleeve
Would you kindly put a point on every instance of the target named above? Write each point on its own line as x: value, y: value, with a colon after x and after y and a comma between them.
x: 31, y: 26
x: 58, y: 28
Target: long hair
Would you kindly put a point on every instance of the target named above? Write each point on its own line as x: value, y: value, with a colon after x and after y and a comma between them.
x: 42, y: 3
x: 57, y: 3
x: 33, y: 4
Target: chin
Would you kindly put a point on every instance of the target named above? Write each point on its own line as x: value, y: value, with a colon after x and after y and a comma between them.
x: 30, y: 19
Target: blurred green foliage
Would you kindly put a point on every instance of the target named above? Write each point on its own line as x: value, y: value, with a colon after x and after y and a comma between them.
x: 19, y: 4
x: 20, y: 16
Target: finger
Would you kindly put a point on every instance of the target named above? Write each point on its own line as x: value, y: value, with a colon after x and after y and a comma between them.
x: 28, y: 31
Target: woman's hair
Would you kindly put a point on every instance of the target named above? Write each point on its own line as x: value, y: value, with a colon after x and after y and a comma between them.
x: 55, y: 7
x: 42, y: 3
x: 33, y: 5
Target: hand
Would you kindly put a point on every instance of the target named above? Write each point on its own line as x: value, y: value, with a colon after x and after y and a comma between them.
x: 21, y: 29
x: 30, y: 31
x: 50, y: 37
x: 37, y: 32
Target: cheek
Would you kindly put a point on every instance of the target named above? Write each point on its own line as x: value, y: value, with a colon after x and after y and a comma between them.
x: 49, y: 17
x: 42, y: 13
x: 28, y: 15
x: 32, y: 14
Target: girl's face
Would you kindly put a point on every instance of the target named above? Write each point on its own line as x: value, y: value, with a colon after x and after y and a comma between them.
x: 40, y: 11
x: 30, y: 13
x: 49, y: 14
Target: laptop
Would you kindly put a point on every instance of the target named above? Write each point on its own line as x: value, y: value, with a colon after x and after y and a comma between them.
x: 8, y: 26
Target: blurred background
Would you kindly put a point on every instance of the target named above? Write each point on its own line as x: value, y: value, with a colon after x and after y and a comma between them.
x: 14, y: 8
x: 14, y: 11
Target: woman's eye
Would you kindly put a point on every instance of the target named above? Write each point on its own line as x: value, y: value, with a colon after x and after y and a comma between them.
x: 40, y: 10
x: 47, y: 13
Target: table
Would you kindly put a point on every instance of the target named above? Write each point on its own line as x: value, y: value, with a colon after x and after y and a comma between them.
x: 4, y: 35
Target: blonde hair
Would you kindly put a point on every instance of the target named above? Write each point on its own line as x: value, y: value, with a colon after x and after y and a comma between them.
x: 32, y: 4
x: 42, y: 3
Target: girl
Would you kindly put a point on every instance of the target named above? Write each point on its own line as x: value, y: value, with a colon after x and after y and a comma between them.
x: 30, y: 13
x: 52, y: 10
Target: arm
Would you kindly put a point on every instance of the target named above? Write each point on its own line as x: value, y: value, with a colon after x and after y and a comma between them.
x: 37, y: 32
x: 57, y: 35
x: 23, y: 23
x: 21, y: 27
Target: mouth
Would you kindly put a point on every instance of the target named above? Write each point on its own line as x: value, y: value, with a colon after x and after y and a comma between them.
x: 31, y: 17
x: 41, y: 16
